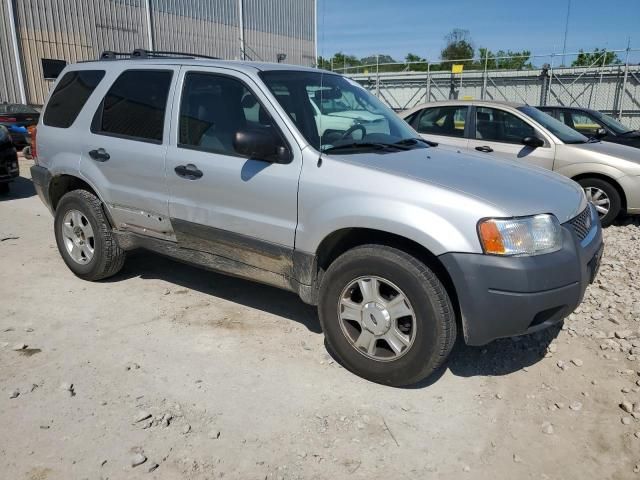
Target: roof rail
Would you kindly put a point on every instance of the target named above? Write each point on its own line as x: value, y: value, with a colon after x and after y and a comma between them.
x: 140, y: 53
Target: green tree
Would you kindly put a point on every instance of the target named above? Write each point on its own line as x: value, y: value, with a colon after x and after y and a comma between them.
x: 586, y: 59
x: 458, y: 47
x: 507, y: 60
x: 411, y: 60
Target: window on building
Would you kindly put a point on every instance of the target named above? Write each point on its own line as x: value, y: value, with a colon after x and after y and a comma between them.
x: 71, y: 93
x: 135, y: 106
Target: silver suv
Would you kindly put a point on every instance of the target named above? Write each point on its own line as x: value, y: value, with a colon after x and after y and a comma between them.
x: 238, y: 167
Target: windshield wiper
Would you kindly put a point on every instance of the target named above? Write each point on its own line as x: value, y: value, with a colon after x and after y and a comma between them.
x: 628, y: 132
x: 414, y: 140
x: 364, y: 145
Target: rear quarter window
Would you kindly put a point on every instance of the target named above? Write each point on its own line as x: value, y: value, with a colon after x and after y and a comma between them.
x: 135, y: 105
x: 71, y: 93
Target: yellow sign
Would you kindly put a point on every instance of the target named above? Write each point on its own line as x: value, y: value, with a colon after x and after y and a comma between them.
x: 457, y: 68
x: 467, y: 97
x: 366, y: 70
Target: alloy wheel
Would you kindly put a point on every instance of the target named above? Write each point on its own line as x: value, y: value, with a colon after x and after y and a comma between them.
x: 377, y: 318
x: 78, y: 236
x: 599, y: 199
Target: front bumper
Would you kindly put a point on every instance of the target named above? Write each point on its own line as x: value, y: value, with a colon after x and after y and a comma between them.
x: 9, y: 168
x: 509, y: 296
x: 41, y: 178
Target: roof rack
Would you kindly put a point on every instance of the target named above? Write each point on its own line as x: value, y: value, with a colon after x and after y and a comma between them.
x: 140, y: 53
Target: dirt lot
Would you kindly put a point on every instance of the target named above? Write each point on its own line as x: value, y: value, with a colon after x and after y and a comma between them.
x: 207, y: 376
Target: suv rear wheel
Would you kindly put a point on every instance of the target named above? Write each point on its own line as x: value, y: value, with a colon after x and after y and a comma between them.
x: 604, y: 197
x: 385, y: 315
x: 84, y: 237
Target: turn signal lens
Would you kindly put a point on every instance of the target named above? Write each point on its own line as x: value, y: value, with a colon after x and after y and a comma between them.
x: 520, y: 236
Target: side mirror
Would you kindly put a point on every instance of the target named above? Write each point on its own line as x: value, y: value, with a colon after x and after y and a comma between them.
x: 260, y: 145
x: 533, y: 142
x: 600, y: 133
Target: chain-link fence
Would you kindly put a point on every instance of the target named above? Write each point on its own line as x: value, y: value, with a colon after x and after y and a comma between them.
x: 608, y: 81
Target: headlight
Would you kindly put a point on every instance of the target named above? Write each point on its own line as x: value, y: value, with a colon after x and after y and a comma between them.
x: 4, y: 133
x: 520, y: 236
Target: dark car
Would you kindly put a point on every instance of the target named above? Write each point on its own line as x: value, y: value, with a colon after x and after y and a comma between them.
x: 18, y: 118
x: 8, y: 160
x: 593, y: 123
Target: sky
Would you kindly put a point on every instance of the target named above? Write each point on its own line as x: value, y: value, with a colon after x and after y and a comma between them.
x: 396, y: 27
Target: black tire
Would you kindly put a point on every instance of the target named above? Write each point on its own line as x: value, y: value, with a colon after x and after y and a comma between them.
x: 108, y: 258
x: 4, y: 188
x: 434, y: 314
x: 615, y: 202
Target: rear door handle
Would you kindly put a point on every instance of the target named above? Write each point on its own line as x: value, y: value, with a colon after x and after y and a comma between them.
x: 485, y: 149
x: 189, y: 171
x: 99, y: 155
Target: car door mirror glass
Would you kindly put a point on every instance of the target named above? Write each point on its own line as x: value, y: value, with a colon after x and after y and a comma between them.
x: 533, y: 141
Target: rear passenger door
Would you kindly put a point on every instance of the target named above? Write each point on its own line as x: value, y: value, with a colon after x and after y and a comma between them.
x: 443, y: 124
x: 499, y: 133
x: 221, y: 202
x: 124, y: 149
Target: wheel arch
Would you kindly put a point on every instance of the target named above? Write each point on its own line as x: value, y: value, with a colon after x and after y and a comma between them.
x: 608, y: 179
x: 340, y: 241
x: 64, y: 183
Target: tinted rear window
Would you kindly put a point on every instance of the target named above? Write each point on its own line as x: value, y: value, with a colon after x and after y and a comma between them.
x: 69, y: 97
x: 135, y: 105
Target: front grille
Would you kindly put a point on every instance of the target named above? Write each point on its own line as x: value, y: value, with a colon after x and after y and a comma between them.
x: 581, y: 224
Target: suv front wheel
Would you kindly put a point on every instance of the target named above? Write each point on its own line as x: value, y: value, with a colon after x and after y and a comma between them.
x: 386, y: 316
x: 84, y: 237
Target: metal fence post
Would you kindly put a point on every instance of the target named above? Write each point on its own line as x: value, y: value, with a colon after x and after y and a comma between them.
x: 377, y: 75
x: 624, y: 81
x: 550, y: 80
x: 486, y: 74
x: 428, y: 82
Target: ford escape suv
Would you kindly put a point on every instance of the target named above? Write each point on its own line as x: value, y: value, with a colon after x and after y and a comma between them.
x: 227, y: 165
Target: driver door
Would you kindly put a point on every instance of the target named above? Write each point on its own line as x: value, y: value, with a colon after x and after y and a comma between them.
x: 499, y: 133
x: 222, y: 202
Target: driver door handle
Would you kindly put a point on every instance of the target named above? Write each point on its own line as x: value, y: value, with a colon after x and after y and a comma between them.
x: 188, y: 171
x: 99, y: 155
x: 485, y: 149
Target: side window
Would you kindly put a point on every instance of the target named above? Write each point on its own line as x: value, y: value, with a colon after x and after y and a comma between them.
x: 214, y: 108
x: 447, y: 121
x: 500, y: 126
x: 71, y: 93
x: 135, y: 106
x: 584, y: 123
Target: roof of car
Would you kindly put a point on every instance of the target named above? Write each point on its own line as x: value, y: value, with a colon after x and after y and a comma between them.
x: 235, y: 64
x: 476, y: 102
x: 562, y: 107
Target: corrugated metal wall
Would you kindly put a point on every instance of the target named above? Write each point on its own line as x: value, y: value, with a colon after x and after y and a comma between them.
x: 9, y: 90
x: 75, y: 30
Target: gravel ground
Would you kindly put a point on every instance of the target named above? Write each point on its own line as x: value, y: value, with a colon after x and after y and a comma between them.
x: 170, y: 372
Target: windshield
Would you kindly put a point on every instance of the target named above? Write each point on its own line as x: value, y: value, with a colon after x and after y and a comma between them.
x: 16, y: 108
x: 612, y: 123
x: 331, y: 111
x: 559, y: 129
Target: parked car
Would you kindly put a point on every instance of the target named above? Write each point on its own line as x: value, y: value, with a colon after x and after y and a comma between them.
x: 399, y: 245
x: 9, y: 168
x: 593, y: 123
x: 609, y: 173
x: 18, y: 118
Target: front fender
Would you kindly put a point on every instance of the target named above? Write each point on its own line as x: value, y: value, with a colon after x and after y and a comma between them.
x: 579, y: 168
x: 433, y: 231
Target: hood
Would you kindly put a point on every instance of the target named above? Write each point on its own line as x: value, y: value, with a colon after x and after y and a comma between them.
x: 511, y: 187
x: 624, y: 157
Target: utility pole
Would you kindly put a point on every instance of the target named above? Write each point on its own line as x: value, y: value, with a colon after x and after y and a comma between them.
x: 566, y: 31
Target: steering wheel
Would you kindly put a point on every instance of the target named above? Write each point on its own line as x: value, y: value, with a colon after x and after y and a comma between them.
x: 352, y: 129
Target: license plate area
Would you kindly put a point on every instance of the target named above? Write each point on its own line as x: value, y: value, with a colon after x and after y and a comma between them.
x: 594, y: 264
